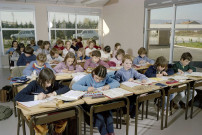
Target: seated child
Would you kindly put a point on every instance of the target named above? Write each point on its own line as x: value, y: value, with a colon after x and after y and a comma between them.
x: 95, y: 46
x: 60, y: 46
x: 128, y: 73
x: 95, y: 61
x: 80, y: 55
x: 39, y: 44
x: 118, y: 58
x: 69, y: 65
x: 142, y: 58
x: 37, y: 65
x: 45, y: 48
x: 89, y: 49
x: 26, y: 57
x: 16, y: 54
x: 98, y: 78
x: 105, y: 53
x: 33, y: 45
x: 45, y: 86
x: 79, y: 44
x: 67, y: 48
x: 73, y: 46
x: 14, y: 46
x: 117, y: 46
x: 181, y: 67
x: 54, y: 57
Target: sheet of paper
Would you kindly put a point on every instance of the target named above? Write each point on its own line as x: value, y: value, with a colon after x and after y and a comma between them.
x: 73, y: 94
x: 116, y: 92
x: 130, y: 84
x: 193, y: 74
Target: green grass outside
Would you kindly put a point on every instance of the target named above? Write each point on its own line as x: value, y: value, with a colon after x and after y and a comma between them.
x: 191, y: 44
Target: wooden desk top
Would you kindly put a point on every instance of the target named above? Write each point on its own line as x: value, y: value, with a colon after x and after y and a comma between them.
x: 142, y: 67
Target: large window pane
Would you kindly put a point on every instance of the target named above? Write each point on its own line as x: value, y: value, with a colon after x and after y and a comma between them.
x: 61, y: 34
x: 87, y: 22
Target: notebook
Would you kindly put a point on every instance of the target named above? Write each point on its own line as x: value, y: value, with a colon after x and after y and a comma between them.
x: 71, y: 95
x: 116, y: 92
x: 130, y: 84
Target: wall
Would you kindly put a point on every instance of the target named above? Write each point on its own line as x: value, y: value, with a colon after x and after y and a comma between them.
x: 125, y: 20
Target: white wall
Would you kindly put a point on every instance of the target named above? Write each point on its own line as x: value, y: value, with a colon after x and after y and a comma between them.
x: 125, y: 19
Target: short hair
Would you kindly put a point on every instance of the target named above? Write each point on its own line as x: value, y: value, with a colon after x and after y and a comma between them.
x: 29, y: 50
x: 100, y: 71
x: 40, y: 42
x: 54, y: 51
x: 127, y: 56
x: 116, y: 45
x: 161, y: 61
x: 186, y: 56
x: 120, y: 51
x: 32, y: 41
x: 107, y: 49
x: 96, y: 53
x: 60, y: 42
x: 74, y: 39
x: 41, y: 57
x: 91, y: 42
x: 67, y: 42
x: 80, y: 38
x: 142, y: 50
x: 45, y: 43
x: 94, y: 41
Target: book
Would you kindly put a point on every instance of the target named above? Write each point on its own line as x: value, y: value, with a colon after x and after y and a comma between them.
x: 116, y: 93
x: 196, y: 74
x: 71, y: 95
x: 130, y: 84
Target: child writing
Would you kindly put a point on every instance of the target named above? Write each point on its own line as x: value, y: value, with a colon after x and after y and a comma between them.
x: 45, y: 48
x: 45, y: 86
x: 117, y: 60
x: 117, y: 46
x: 80, y: 55
x: 128, y: 73
x: 16, y: 54
x: 67, y: 48
x: 37, y: 65
x: 26, y: 57
x: 69, y: 65
x: 14, y: 46
x: 95, y: 61
x: 99, y: 78
x: 89, y: 49
x: 54, y: 57
x: 105, y: 53
x: 181, y: 67
x: 142, y: 58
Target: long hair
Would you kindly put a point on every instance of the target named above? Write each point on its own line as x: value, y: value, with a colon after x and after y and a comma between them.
x: 46, y: 75
x: 161, y: 61
x: 100, y: 71
x: 70, y: 55
x: 20, y: 45
x: 13, y: 42
x: 82, y: 50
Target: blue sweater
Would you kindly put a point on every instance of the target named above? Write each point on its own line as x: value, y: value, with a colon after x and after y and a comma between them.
x: 23, y: 60
x: 123, y: 75
x: 145, y: 58
x: 33, y: 66
x: 88, y: 81
x: 33, y: 87
x: 152, y: 71
x: 10, y: 50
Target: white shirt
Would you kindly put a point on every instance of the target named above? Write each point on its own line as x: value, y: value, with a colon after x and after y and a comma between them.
x: 49, y: 58
x: 105, y: 55
x: 65, y: 51
x: 88, y: 50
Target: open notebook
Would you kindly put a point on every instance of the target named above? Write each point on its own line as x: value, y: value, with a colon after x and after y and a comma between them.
x: 116, y: 92
x: 193, y: 74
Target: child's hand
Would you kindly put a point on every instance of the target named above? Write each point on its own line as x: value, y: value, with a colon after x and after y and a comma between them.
x: 118, y: 65
x: 180, y: 71
x: 79, y: 61
x: 159, y: 75
x: 106, y: 87
x: 190, y: 71
x: 55, y: 62
x: 148, y: 63
x: 91, y: 89
x: 83, y: 60
x: 41, y: 96
x: 164, y: 73
x: 65, y: 70
x: 131, y: 79
x: 51, y: 94
x: 141, y: 62
x: 27, y: 64
x: 144, y: 81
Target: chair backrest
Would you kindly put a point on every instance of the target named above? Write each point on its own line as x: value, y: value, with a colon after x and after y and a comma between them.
x: 17, y: 71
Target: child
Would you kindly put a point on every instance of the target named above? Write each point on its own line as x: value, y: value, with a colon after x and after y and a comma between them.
x: 26, y: 57
x: 39, y: 43
x: 73, y: 46
x: 37, y: 65
x: 181, y: 67
x: 105, y: 53
x: 89, y: 49
x: 45, y: 48
x: 99, y: 78
x: 142, y: 58
x: 54, y: 57
x: 117, y: 60
x: 46, y: 87
x: 128, y: 73
x: 80, y: 55
x: 95, y: 46
x: 16, y: 54
x: 79, y: 43
x: 95, y: 61
x: 60, y: 46
x: 33, y: 45
x: 69, y: 65
x: 13, y: 47
x: 67, y: 48
x: 117, y: 46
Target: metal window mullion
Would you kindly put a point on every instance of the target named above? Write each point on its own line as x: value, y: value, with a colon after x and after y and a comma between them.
x: 34, y: 25
x: 18, y: 29
x: 1, y: 42
x: 145, y: 28
x: 76, y: 15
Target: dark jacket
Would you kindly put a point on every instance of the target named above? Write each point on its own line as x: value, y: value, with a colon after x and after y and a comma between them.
x: 152, y: 71
x: 178, y: 65
x: 23, y: 60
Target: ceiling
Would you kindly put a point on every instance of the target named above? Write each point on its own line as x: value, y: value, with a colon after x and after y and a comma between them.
x: 88, y: 3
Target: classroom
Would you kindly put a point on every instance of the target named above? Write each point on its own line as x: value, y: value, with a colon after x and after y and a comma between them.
x: 100, y: 67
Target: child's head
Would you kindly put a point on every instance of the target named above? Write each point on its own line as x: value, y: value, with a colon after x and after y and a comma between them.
x: 54, y: 52
x: 99, y: 73
x: 96, y: 56
x: 28, y: 51
x: 21, y: 48
x: 186, y: 58
x: 81, y: 52
x: 60, y: 43
x: 161, y: 63
x: 79, y: 39
x: 41, y: 59
x: 127, y: 62
x: 74, y: 41
x: 117, y: 46
x: 142, y: 52
x: 46, y: 78
x: 40, y: 43
x: 15, y: 44
x: 107, y: 49
x: 46, y: 45
x: 120, y: 54
x: 70, y: 59
x: 32, y: 42
x: 91, y: 45
x: 67, y: 44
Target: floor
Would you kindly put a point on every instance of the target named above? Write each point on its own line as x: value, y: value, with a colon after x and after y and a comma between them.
x: 177, y: 123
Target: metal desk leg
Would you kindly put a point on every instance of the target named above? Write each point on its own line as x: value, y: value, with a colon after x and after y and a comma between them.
x: 78, y: 115
x: 91, y: 120
x: 166, y: 121
x: 147, y: 105
x: 188, y: 91
x: 127, y: 117
x: 142, y: 110
x: 19, y: 122
x: 117, y: 112
x: 162, y: 113
x: 31, y: 127
x: 14, y: 103
x: 136, y: 114
x: 192, y: 101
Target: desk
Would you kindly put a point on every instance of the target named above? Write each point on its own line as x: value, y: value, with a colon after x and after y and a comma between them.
x: 38, y: 116
x: 99, y: 105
